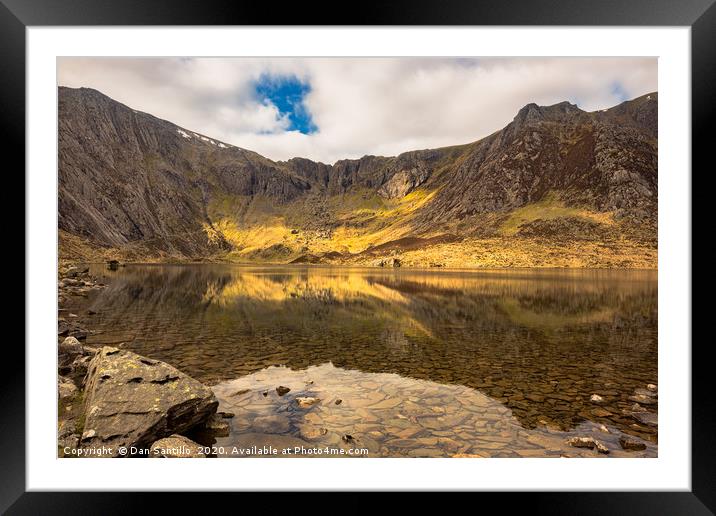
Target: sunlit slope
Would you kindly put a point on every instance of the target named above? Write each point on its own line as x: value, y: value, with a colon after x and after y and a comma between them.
x: 349, y: 223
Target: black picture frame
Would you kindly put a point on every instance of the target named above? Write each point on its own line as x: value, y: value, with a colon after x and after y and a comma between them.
x: 17, y: 15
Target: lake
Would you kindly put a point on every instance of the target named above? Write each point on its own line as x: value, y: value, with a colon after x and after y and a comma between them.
x: 405, y: 362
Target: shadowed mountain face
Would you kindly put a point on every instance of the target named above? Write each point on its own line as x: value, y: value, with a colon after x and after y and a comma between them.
x: 129, y: 178
x: 138, y: 186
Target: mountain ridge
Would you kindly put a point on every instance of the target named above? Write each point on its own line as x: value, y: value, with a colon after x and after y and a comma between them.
x: 139, y: 187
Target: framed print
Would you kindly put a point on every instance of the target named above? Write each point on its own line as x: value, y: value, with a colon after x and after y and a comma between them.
x: 446, y: 249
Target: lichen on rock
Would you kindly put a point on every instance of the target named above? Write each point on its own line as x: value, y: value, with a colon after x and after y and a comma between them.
x: 132, y: 401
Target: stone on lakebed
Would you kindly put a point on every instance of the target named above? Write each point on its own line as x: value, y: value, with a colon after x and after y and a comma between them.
x: 176, y: 447
x: 588, y: 442
x: 306, y: 401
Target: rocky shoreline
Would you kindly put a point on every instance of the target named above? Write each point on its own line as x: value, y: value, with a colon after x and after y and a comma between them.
x: 115, y: 403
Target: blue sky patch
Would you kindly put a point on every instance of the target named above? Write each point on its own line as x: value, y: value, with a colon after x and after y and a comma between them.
x: 619, y: 92
x: 287, y: 94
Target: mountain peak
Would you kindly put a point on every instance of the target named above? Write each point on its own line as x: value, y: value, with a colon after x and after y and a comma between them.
x: 534, y: 112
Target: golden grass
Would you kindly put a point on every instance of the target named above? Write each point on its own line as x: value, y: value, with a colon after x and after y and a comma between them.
x: 549, y: 208
x: 364, y: 220
x: 531, y: 252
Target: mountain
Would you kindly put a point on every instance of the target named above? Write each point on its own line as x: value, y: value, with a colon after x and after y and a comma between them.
x: 556, y: 186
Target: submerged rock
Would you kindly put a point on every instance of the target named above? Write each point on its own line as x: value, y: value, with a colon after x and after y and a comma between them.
x: 281, y: 390
x: 217, y: 426
x: 629, y: 443
x: 275, y: 424
x: 588, y: 442
x: 643, y: 399
x: 637, y: 408
x: 646, y: 418
x: 70, y: 328
x: 176, y: 447
x: 311, y: 432
x: 131, y: 400
x: 306, y: 401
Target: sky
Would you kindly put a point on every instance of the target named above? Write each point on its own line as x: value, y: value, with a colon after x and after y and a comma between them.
x: 328, y: 109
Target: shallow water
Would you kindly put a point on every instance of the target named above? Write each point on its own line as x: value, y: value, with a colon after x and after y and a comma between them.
x: 426, y: 362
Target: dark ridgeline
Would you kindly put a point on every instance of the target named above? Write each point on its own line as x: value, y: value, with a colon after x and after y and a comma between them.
x: 128, y: 180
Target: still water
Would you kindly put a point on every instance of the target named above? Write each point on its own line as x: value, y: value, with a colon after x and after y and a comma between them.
x: 424, y: 362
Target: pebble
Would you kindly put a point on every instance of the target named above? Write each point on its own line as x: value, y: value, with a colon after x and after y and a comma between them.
x: 281, y: 390
x: 646, y: 418
x: 176, y: 446
x: 311, y: 432
x: 588, y: 442
x: 600, y: 412
x: 217, y: 426
x: 637, y: 408
x: 629, y: 443
x: 306, y: 401
x: 642, y: 399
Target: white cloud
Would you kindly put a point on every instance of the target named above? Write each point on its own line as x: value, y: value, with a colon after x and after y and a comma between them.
x: 361, y: 106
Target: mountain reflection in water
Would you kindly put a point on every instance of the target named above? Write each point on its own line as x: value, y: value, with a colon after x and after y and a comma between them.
x: 541, y: 342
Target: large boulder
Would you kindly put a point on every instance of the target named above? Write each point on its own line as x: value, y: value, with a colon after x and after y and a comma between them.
x: 132, y: 401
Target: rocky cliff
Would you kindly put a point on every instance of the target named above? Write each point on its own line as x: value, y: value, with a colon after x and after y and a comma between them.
x: 140, y: 187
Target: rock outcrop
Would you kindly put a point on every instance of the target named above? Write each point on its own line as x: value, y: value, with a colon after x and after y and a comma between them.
x: 404, y: 182
x: 133, y: 401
